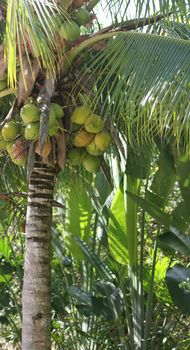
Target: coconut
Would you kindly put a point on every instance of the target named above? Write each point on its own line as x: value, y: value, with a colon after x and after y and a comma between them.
x: 70, y: 30
x: 93, y: 149
x: 103, y: 140
x: 80, y: 115
x: 94, y: 123
x: 54, y: 129
x: 91, y: 164
x: 82, y: 16
x: 31, y: 131
x: 9, y: 147
x: 10, y: 131
x: 2, y: 144
x: 52, y: 117
x: 21, y: 161
x: 82, y: 138
x: 76, y: 156
x: 30, y: 113
x: 57, y: 110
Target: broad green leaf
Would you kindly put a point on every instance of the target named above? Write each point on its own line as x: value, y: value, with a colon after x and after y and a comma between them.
x: 5, y: 249
x: 161, y: 269
x: 153, y: 210
x: 175, y: 241
x: 117, y: 229
x: 102, y: 269
x: 112, y: 293
x: 178, y: 281
x: 152, y: 197
x: 5, y: 278
x: 78, y: 215
x: 181, y: 215
x: 132, y: 185
x: 79, y: 294
x: 182, y: 164
x: 164, y: 178
x: 4, y: 298
x: 72, y: 246
x: 149, y: 92
x: 100, y: 307
x: 138, y: 161
x: 104, y: 189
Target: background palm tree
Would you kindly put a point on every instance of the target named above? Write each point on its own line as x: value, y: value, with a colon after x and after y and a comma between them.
x: 135, y: 73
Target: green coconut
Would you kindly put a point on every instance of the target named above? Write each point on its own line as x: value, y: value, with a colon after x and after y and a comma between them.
x: 93, y: 149
x: 70, y: 30
x: 10, y: 131
x: 2, y: 144
x: 94, y: 123
x: 80, y: 115
x: 52, y: 117
x: 82, y: 16
x: 57, y: 20
x: 82, y: 138
x: 54, y: 129
x: 21, y: 161
x: 57, y: 110
x: 103, y: 140
x: 91, y: 164
x: 9, y: 147
x: 32, y: 131
x: 30, y: 113
x: 76, y: 156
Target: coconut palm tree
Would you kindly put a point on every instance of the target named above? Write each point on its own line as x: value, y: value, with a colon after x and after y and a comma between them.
x: 134, y: 72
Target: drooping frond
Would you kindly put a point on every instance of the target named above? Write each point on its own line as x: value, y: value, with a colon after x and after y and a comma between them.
x: 13, y: 178
x: 31, y: 28
x: 142, y: 82
x: 176, y: 30
x: 120, y: 10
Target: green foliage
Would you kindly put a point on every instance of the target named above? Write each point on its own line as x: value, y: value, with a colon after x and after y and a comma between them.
x: 178, y: 278
x: 117, y: 235
x: 116, y: 249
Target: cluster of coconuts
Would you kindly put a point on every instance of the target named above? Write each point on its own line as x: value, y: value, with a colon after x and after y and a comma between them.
x: 11, y: 142
x: 89, y: 140
x: 70, y: 29
x: 15, y: 133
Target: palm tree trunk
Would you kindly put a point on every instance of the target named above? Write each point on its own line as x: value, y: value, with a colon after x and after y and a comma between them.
x: 36, y: 294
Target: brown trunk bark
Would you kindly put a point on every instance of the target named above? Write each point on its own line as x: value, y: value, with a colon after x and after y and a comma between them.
x: 36, y: 295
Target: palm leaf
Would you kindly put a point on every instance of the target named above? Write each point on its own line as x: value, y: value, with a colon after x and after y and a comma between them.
x: 147, y: 80
x: 121, y: 10
x: 31, y: 26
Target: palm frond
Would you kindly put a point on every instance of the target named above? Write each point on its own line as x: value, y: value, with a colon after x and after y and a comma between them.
x: 119, y: 10
x: 146, y: 80
x: 31, y: 27
x: 176, y: 30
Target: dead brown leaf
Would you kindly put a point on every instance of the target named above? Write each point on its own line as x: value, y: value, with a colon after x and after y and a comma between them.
x: 46, y: 150
x: 19, y: 149
x: 61, y: 150
x: 27, y: 78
